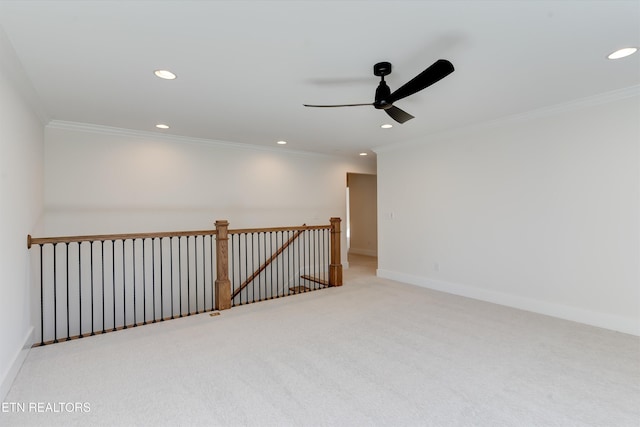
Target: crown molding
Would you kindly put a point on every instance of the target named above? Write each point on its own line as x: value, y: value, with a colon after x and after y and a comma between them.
x: 553, y: 110
x: 156, y: 136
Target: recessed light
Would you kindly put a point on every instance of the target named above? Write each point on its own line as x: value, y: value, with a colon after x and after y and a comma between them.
x: 165, y: 74
x: 621, y: 53
x: 162, y: 126
x: 386, y: 126
x: 281, y: 142
x: 363, y: 154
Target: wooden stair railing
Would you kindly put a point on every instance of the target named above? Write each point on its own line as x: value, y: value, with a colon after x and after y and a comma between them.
x: 273, y: 257
x: 140, y: 278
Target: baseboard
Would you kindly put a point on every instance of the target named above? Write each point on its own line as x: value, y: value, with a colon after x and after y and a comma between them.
x: 367, y: 252
x: 601, y: 320
x: 16, y: 364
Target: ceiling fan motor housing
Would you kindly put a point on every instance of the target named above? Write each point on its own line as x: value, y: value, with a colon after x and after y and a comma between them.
x: 382, y: 93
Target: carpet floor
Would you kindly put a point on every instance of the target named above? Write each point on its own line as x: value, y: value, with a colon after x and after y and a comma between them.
x: 373, y: 352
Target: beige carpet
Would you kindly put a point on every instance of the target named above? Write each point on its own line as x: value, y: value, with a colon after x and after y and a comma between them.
x: 373, y: 352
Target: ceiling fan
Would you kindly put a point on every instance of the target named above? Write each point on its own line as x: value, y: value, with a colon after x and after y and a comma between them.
x: 384, y: 98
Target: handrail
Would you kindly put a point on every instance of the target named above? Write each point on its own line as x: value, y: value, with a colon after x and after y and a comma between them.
x: 127, y: 236
x: 275, y: 229
x: 273, y: 256
x: 106, y: 237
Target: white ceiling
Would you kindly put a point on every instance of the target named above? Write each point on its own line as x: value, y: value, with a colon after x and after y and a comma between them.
x: 246, y: 67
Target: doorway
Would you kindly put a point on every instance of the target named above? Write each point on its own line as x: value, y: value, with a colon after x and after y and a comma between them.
x: 362, y: 218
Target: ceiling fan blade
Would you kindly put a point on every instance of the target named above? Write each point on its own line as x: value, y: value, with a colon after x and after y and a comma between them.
x: 437, y: 71
x: 340, y: 105
x: 398, y: 115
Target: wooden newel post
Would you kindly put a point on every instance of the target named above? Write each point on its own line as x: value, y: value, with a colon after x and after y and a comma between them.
x: 223, y: 285
x: 335, y: 267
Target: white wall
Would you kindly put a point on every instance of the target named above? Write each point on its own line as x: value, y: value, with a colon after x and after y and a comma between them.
x: 363, y: 212
x: 103, y: 180
x: 21, y: 182
x: 540, y: 212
